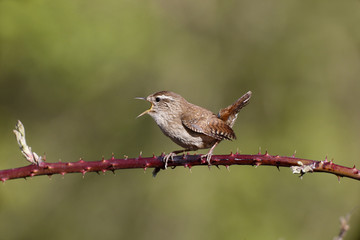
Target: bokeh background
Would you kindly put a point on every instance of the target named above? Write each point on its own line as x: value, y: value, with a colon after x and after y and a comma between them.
x: 70, y: 69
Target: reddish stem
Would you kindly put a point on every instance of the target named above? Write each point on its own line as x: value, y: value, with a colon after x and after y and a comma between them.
x: 112, y: 164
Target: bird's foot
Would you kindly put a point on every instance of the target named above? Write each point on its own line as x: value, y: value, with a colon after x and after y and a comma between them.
x: 207, y: 157
x: 167, y: 157
x: 209, y: 154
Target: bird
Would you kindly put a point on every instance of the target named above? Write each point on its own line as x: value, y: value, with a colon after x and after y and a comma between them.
x: 190, y: 126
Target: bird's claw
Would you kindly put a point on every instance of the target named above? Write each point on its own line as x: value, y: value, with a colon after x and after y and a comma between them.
x: 207, y: 156
x: 167, y: 157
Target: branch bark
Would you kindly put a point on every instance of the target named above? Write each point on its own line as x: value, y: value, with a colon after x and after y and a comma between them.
x: 39, y: 167
x: 298, y: 165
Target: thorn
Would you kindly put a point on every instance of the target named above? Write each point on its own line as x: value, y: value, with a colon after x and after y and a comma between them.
x: 257, y: 164
x: 112, y: 156
x: 237, y: 151
x: 231, y: 154
x: 44, y: 157
x: 113, y: 171
x: 104, y: 171
x: 3, y: 179
x: 277, y: 166
x: 140, y: 154
x: 104, y: 160
x: 339, y: 178
x: 259, y: 153
x: 184, y: 156
x: 50, y: 176
x: 326, y: 159
x: 217, y: 166
x: 227, y: 168
x: 154, y: 157
x: 208, y: 167
x: 126, y: 157
x: 189, y: 166
x: 67, y: 164
x: 145, y: 169
x: 32, y: 174
x: 266, y: 153
x: 294, y: 154
x: 81, y: 160
x: 83, y: 173
x: 98, y: 173
x: 62, y: 173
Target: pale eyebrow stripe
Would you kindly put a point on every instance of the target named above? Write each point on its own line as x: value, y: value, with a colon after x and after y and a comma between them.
x: 166, y: 97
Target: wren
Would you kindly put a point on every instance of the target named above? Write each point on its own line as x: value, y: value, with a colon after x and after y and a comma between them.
x: 190, y: 126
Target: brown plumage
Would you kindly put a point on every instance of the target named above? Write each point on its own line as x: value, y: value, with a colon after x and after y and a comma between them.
x: 192, y: 126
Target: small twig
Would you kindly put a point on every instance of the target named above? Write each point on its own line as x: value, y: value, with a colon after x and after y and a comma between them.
x: 344, y: 221
x: 29, y: 155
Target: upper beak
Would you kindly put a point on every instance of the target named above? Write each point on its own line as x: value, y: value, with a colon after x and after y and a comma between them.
x: 145, y: 112
x: 141, y: 98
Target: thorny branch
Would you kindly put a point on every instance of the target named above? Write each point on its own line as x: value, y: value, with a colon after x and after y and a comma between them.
x: 40, y: 167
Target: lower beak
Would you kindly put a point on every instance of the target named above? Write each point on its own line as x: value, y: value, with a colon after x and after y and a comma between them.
x: 145, y: 112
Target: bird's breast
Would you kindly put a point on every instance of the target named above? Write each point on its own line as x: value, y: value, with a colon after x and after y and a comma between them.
x: 184, y: 137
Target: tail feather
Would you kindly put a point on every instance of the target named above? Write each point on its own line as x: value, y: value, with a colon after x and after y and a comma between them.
x: 229, y: 114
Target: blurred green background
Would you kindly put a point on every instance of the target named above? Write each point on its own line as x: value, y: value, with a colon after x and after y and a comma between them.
x: 69, y: 70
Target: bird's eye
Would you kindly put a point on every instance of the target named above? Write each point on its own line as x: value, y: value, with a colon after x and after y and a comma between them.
x: 157, y: 99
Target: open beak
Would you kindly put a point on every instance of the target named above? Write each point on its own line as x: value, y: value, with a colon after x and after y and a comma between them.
x: 145, y: 112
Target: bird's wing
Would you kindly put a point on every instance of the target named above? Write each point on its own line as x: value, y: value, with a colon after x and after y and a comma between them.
x: 207, y: 124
